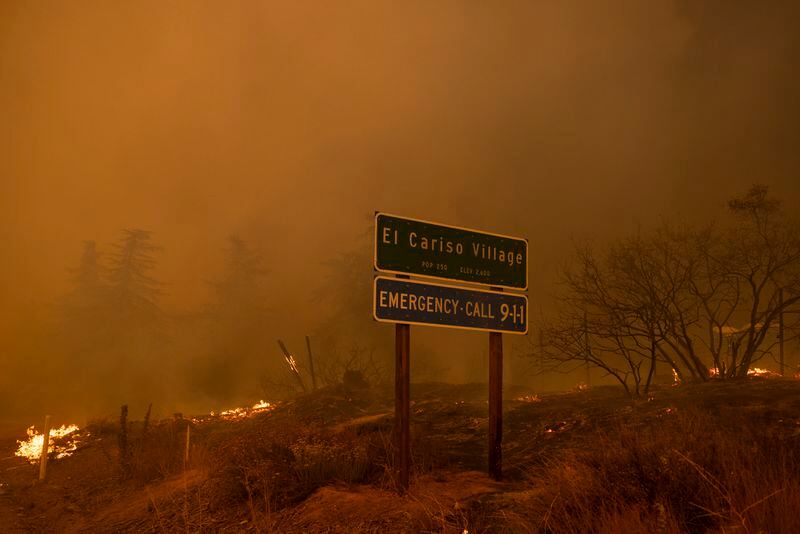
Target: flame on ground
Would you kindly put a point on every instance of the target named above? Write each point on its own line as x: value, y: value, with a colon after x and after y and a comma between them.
x: 753, y: 371
x: 260, y: 405
x: 529, y: 398
x: 757, y: 371
x: 238, y: 413
x: 31, y: 449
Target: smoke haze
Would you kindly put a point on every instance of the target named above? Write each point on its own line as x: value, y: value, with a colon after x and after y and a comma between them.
x: 288, y: 124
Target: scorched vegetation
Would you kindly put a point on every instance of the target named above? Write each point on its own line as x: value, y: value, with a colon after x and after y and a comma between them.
x: 718, y: 456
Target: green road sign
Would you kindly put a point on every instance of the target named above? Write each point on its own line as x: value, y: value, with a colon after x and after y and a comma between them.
x: 411, y: 246
x: 412, y: 302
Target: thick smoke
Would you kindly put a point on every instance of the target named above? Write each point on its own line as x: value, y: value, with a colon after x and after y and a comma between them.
x: 288, y: 124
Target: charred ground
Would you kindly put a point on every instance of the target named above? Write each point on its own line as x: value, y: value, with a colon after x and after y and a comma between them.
x: 692, y: 458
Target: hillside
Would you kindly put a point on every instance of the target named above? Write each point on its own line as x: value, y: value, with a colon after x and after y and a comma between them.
x: 693, y: 458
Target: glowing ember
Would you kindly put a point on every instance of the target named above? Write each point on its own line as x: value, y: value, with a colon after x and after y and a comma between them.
x: 676, y: 379
x: 556, y: 427
x: 292, y: 363
x: 233, y: 413
x: 32, y: 447
x: 529, y: 398
x: 666, y: 411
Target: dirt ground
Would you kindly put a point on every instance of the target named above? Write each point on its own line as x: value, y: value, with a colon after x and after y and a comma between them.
x: 86, y: 492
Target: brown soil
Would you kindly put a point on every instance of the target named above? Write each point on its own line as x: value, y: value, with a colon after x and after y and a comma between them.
x: 85, y: 492
x: 432, y: 504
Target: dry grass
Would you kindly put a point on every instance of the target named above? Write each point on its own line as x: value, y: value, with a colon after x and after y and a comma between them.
x: 687, y: 471
x: 721, y: 457
x: 732, y: 463
x: 270, y: 467
x: 158, y: 453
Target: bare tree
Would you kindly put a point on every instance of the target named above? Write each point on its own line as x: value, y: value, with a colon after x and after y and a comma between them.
x: 609, y: 317
x: 693, y: 297
x: 764, y: 258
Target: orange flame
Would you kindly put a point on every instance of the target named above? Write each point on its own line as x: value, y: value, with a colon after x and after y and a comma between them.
x: 31, y: 449
x: 238, y: 413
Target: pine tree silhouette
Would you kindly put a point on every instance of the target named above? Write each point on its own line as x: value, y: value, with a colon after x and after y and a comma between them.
x: 239, y: 293
x: 85, y: 300
x: 237, y: 317
x: 132, y: 291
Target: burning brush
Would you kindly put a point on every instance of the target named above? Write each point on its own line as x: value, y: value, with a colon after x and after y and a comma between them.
x: 238, y: 413
x: 63, y: 442
x: 753, y: 371
x: 757, y: 371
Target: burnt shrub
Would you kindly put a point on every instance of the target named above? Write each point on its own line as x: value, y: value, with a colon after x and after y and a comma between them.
x: 273, y: 466
x: 159, y: 452
x: 690, y: 472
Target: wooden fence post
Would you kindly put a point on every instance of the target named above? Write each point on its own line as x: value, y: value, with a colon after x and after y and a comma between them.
x: 45, y: 449
x: 311, y: 364
x: 186, y: 449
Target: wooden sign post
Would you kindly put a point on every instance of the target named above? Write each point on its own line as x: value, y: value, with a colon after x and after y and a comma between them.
x: 402, y: 404
x: 413, y: 247
x: 496, y: 405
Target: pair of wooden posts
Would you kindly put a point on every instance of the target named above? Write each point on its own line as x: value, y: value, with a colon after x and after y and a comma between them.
x: 289, y: 359
x: 404, y: 247
x: 402, y: 406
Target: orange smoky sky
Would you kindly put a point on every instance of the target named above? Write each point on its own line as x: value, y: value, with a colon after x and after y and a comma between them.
x: 288, y: 123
